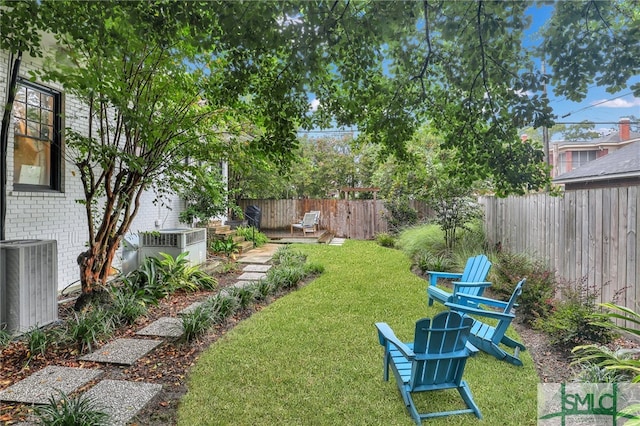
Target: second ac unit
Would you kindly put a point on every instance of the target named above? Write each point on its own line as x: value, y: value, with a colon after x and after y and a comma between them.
x: 174, y: 242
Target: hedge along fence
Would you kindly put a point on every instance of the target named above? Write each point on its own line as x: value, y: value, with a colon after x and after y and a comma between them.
x: 590, y: 233
x: 356, y: 219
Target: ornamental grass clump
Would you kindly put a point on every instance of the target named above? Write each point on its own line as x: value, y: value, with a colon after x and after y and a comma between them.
x: 71, y: 411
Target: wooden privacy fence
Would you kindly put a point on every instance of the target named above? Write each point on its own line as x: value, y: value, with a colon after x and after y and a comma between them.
x: 356, y: 219
x: 590, y: 233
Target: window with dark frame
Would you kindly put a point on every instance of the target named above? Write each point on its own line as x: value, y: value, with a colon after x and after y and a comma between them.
x: 37, y: 138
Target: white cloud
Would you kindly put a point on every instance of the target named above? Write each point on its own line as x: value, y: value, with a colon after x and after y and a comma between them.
x: 313, y: 106
x: 616, y: 103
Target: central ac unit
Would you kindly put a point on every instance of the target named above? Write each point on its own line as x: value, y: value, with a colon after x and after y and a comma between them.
x: 175, y: 242
x: 28, y: 284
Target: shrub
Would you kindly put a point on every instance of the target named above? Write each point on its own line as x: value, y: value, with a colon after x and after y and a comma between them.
x: 89, y: 327
x: 572, y: 320
x: 146, y: 282
x: 196, y: 322
x: 624, y: 361
x: 427, y: 261
x: 594, y: 362
x: 400, y: 214
x: 536, y: 301
x: 227, y: 247
x: 244, y: 295
x: 38, y: 340
x: 285, y: 277
x: 178, y: 274
x: 222, y: 306
x: 250, y: 233
x: 386, y: 240
x: 69, y: 411
x: 286, y: 256
x: 262, y: 289
x: 419, y: 238
x: 126, y: 307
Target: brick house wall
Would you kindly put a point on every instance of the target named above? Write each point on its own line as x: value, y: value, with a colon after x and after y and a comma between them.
x: 57, y: 215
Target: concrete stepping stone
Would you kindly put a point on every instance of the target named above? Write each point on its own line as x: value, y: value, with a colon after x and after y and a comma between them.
x: 337, y: 242
x: 122, y: 400
x: 48, y: 382
x: 252, y: 276
x: 261, y: 260
x: 122, y: 351
x: 192, y: 307
x: 256, y: 268
x: 163, y: 327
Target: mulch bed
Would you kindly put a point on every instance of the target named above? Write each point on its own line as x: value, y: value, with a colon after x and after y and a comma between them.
x: 169, y: 363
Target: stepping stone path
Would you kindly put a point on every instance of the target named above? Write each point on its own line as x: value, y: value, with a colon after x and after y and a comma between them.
x: 47, y: 383
x: 122, y: 351
x: 121, y: 399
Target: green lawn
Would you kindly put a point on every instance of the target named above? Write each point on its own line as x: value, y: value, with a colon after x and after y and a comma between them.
x: 313, y: 358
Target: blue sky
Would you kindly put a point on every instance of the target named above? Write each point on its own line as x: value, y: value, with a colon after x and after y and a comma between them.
x: 599, y: 106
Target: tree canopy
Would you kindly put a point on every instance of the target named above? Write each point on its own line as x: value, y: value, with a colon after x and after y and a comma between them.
x: 166, y: 80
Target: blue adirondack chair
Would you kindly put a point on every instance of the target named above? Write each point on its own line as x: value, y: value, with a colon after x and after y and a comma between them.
x: 484, y: 336
x: 434, y: 361
x: 471, y: 281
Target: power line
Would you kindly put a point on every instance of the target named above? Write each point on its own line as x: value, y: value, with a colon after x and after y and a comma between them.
x: 596, y: 104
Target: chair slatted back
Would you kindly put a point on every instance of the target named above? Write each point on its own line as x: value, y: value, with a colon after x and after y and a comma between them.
x: 440, y: 351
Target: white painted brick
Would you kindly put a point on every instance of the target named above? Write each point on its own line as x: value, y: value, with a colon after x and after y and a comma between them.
x: 58, y: 216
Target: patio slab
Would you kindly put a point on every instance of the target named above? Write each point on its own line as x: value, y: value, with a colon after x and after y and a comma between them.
x: 122, y: 399
x: 163, y: 327
x: 192, y: 307
x: 48, y: 382
x: 256, y: 268
x: 258, y: 259
x: 122, y: 351
x: 252, y: 276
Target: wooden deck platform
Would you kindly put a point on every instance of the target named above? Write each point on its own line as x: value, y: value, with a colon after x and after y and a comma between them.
x: 283, y: 236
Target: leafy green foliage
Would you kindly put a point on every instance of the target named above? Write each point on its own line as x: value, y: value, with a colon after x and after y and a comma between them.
x: 5, y: 337
x: 386, y: 240
x: 127, y: 306
x: 38, y: 340
x: 427, y: 261
x: 399, y: 214
x: 536, y: 301
x: 572, y: 320
x: 421, y: 238
x: 227, y: 247
x: 244, y: 296
x: 203, y: 195
x: 599, y: 364
x: 592, y: 42
x: 286, y: 256
x: 196, y: 322
x: 89, y: 327
x: 250, y: 233
x: 179, y: 275
x: 623, y: 362
x: 71, y: 411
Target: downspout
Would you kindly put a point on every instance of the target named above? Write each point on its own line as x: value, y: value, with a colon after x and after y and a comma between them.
x: 14, y: 69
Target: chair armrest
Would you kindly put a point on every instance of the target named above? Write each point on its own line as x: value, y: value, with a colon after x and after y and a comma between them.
x: 434, y: 276
x: 385, y: 334
x: 458, y: 284
x: 479, y: 312
x: 462, y: 298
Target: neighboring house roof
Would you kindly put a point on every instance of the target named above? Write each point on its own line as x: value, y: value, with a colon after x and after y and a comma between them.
x: 611, y: 139
x: 623, y: 163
